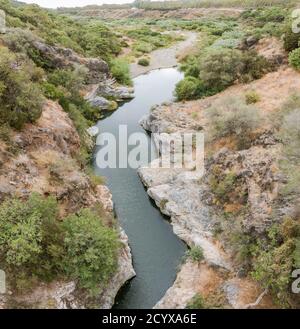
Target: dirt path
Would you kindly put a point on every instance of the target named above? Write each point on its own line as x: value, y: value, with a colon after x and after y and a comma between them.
x: 165, y: 57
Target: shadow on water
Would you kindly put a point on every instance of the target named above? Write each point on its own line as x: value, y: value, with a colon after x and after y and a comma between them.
x: 156, y: 250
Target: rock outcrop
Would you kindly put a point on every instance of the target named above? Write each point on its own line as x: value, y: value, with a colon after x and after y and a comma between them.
x: 64, y: 58
x: 186, y: 197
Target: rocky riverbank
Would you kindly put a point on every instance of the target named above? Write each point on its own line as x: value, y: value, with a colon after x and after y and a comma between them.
x: 189, y: 201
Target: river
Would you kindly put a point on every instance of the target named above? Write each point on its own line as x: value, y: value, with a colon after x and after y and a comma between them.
x: 157, y: 251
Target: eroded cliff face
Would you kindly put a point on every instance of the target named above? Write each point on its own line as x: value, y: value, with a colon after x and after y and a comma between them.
x: 45, y: 163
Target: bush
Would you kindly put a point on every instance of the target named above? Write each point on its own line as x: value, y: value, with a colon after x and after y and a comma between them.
x: 35, y: 245
x: 196, y: 254
x: 189, y: 88
x: 252, y: 97
x: 197, y: 302
x: 219, y: 68
x: 20, y: 97
x: 144, y: 62
x: 30, y: 238
x: 91, y: 250
x: 120, y: 71
x: 291, y: 39
x: 233, y: 117
x: 294, y: 59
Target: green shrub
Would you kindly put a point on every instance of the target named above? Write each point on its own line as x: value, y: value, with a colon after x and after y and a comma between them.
x: 196, y: 254
x: 71, y: 80
x: 144, y: 62
x: 291, y: 39
x: 35, y: 245
x: 189, y: 88
x: 30, y: 238
x: 219, y: 68
x: 120, y: 71
x: 223, y: 186
x: 233, y: 117
x: 143, y: 47
x: 91, y: 250
x: 51, y: 92
x: 252, y: 97
x: 294, y: 59
x: 20, y: 97
x: 197, y: 302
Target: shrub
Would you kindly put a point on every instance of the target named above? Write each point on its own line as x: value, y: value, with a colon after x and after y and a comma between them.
x: 273, y: 270
x: 294, y: 58
x: 233, y: 117
x: 291, y: 39
x: 120, y: 70
x: 71, y: 80
x: 219, y: 68
x: 144, y: 62
x: 196, y: 254
x: 35, y: 245
x: 20, y: 98
x: 91, y: 250
x: 224, y: 186
x: 30, y: 238
x: 50, y: 91
x: 189, y: 88
x: 197, y: 302
x: 252, y: 97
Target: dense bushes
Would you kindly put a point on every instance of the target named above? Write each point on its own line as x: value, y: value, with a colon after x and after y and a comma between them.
x: 20, y: 96
x: 91, y: 39
x: 218, y: 68
x: 34, y: 245
x: 233, y: 117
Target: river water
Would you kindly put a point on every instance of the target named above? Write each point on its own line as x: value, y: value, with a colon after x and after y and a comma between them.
x: 157, y: 251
